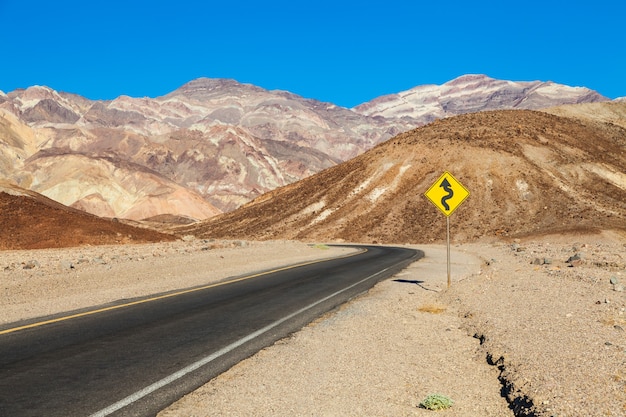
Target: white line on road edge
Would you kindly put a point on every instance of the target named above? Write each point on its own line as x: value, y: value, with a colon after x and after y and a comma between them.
x: 198, y: 364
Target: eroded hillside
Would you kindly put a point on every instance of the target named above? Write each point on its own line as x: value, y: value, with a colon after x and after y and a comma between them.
x: 528, y: 172
x: 32, y: 221
x: 213, y: 145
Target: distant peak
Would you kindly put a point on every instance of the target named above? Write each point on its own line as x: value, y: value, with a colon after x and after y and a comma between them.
x: 470, y: 79
x: 205, y: 82
x: 38, y: 92
x: 40, y: 88
x: 203, y: 88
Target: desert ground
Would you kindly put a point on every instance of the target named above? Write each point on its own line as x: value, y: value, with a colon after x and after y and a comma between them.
x: 529, y: 327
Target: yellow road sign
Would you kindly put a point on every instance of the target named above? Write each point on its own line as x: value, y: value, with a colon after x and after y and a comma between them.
x: 447, y: 193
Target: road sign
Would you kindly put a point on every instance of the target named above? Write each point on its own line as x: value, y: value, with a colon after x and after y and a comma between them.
x: 447, y: 193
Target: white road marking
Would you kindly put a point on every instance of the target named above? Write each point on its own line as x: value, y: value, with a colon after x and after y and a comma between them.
x: 200, y: 363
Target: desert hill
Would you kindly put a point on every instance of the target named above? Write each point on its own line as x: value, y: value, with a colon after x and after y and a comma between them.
x: 32, y: 221
x: 611, y: 112
x: 215, y: 144
x: 528, y: 172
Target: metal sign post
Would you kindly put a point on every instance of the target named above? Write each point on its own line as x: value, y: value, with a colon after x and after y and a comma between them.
x: 448, y: 246
x: 447, y: 194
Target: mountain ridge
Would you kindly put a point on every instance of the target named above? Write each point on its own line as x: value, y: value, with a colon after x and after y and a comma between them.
x: 528, y: 172
x: 426, y: 103
x: 221, y: 141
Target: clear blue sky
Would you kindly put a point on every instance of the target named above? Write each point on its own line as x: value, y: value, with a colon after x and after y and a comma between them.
x: 336, y: 51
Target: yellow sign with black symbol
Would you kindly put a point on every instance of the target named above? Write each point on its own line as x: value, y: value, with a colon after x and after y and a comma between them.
x: 447, y: 193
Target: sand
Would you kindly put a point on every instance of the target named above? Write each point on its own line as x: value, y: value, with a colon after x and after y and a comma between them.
x: 519, y: 332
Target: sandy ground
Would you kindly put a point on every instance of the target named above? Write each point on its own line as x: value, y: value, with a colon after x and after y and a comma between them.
x: 518, y: 322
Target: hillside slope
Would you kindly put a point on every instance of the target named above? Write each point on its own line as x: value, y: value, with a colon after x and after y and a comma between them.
x: 528, y: 172
x: 215, y: 144
x: 32, y: 221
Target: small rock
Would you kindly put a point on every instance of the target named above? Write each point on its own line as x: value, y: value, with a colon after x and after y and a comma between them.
x: 547, y: 261
x: 514, y: 246
x: 618, y: 328
x: 32, y: 264
x: 618, y: 288
x: 537, y: 261
x: 65, y: 264
x: 614, y: 280
x: 574, y: 260
x: 575, y: 257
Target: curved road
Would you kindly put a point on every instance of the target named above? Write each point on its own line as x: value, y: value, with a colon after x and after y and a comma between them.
x: 136, y: 357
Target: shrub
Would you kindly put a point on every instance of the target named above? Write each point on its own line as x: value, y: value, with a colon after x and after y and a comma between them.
x: 436, y: 402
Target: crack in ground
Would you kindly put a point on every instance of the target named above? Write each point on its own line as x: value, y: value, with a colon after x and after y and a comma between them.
x: 519, y: 403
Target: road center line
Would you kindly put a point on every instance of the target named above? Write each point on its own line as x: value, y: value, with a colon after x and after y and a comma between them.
x: 198, y: 364
x: 174, y: 294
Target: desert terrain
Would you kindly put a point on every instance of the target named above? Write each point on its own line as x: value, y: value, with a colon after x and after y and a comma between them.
x: 214, y: 144
x: 520, y: 332
x: 532, y: 325
x: 528, y: 172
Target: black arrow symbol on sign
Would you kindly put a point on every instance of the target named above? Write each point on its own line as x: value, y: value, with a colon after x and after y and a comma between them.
x: 447, y: 188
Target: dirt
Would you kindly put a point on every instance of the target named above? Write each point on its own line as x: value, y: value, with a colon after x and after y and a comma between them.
x: 509, y: 337
x: 520, y: 331
x: 528, y: 172
x: 32, y: 221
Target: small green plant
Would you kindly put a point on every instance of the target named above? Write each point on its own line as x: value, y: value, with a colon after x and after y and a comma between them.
x: 436, y: 402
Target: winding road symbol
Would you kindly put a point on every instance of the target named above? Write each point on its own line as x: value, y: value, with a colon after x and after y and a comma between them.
x: 447, y: 187
x: 447, y: 193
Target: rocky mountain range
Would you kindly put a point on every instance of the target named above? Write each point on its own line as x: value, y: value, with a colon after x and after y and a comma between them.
x: 214, y: 144
x: 472, y: 93
x: 528, y: 173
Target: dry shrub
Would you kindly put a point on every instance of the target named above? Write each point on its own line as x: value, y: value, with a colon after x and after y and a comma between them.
x: 432, y: 308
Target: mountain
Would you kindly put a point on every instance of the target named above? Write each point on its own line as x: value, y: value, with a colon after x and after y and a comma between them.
x: 221, y: 141
x: 528, y: 172
x: 472, y: 93
x: 213, y: 144
x: 101, y: 183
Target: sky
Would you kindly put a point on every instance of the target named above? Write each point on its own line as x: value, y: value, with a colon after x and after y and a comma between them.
x: 342, y: 52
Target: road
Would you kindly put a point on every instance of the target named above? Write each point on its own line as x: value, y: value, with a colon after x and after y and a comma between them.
x: 135, y: 357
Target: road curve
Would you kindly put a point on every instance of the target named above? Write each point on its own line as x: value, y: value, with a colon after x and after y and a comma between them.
x: 134, y: 358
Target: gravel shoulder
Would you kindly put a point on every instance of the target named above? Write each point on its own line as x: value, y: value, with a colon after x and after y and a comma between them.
x: 518, y: 320
x: 50, y: 281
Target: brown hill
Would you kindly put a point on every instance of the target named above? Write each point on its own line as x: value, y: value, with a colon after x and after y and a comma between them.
x: 215, y: 144
x: 528, y: 172
x: 32, y: 221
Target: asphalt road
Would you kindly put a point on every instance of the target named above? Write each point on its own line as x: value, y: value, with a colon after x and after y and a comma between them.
x: 136, y: 357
